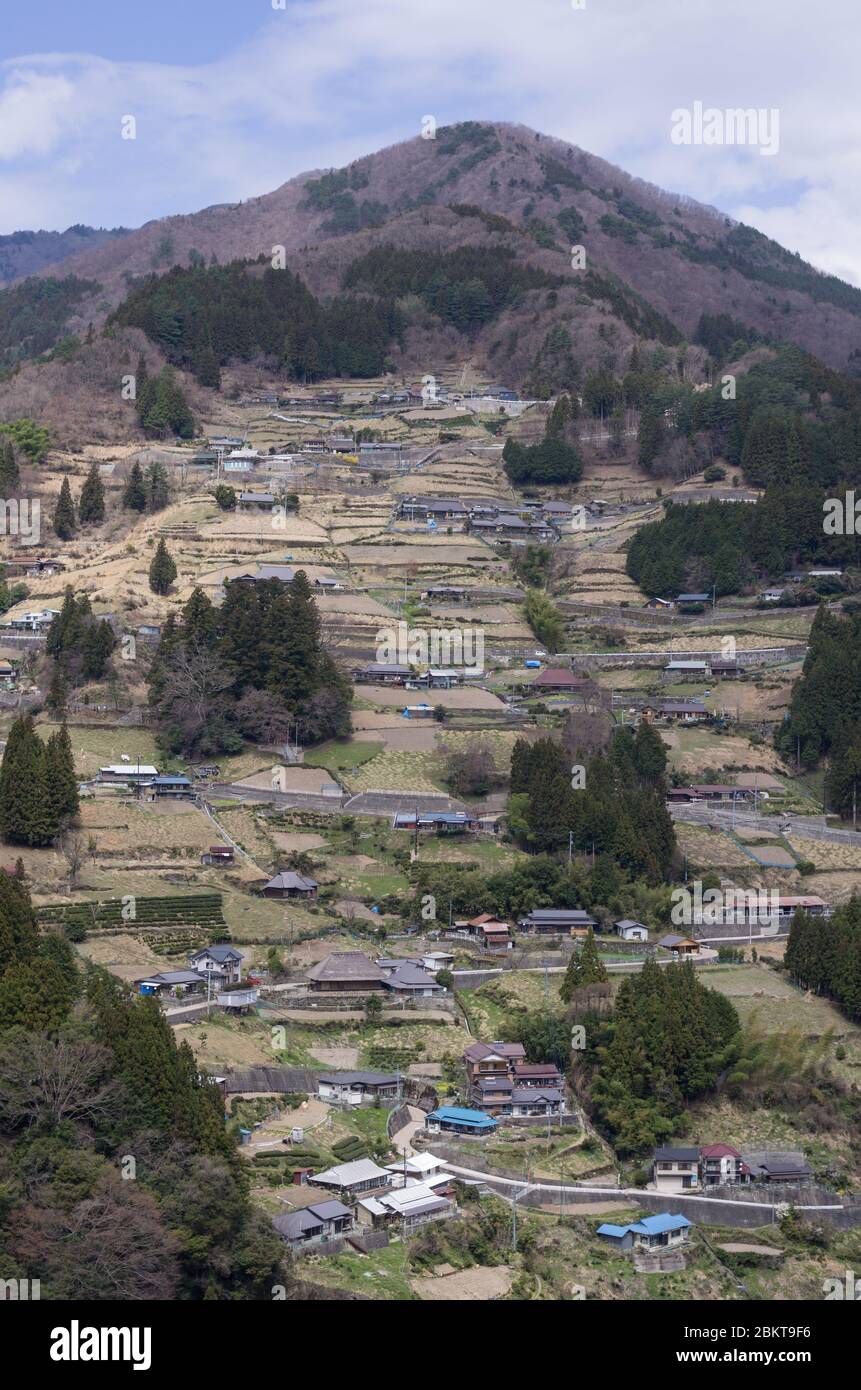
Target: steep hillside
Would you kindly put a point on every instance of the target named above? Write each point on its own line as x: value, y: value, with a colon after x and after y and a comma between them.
x: 681, y: 258
x: 27, y: 252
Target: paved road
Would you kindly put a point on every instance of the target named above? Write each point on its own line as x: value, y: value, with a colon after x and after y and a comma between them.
x: 519, y: 1184
x: 807, y: 827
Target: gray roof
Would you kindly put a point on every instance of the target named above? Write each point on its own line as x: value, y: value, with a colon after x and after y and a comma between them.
x: 220, y: 953
x: 683, y: 1155
x: 409, y: 976
x: 295, y: 1223
x: 283, y: 572
x: 521, y: 1095
x: 173, y: 977
x: 289, y: 879
x: 360, y: 1170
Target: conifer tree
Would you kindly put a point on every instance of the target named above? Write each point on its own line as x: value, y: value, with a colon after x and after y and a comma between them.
x: 64, y: 515
x: 91, y: 505
x: 60, y: 780
x: 26, y: 816
x: 134, y: 495
x: 156, y: 483
x: 10, y: 475
x: 162, y: 571
x: 584, y: 968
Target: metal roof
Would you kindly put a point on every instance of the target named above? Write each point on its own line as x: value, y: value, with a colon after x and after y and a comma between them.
x: 346, y: 1174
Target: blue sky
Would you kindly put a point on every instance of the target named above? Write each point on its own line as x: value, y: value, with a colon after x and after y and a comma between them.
x: 233, y: 97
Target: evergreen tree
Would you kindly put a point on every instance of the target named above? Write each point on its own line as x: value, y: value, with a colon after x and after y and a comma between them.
x: 162, y: 571
x: 156, y: 482
x: 91, y: 505
x: 10, y: 474
x: 26, y: 816
x: 584, y: 968
x: 60, y: 780
x: 134, y: 495
x: 64, y: 515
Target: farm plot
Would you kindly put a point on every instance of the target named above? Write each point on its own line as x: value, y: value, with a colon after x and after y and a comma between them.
x: 710, y: 849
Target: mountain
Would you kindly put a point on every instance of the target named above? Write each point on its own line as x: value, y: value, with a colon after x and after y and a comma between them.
x: 423, y: 255
x: 682, y: 258
x: 26, y: 252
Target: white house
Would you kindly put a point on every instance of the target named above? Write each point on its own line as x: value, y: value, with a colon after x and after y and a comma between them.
x: 632, y: 931
x: 222, y: 963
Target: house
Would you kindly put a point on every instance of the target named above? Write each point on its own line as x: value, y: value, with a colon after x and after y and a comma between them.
x: 777, y: 1167
x: 285, y: 573
x: 357, y: 1087
x: 345, y: 972
x: 314, y: 1225
x: 407, y: 978
x: 492, y: 1059
x: 419, y: 1167
x: 8, y: 674
x: 290, y: 885
x: 250, y: 501
x: 176, y: 983
x: 541, y: 1074
x: 687, y: 670
x: 558, y: 680
x: 493, y: 1094
x: 532, y: 1100
x: 679, y: 945
x: 453, y: 1119
x: 726, y: 670
x: 433, y: 509
x: 631, y: 931
x: 179, y: 788
x: 238, y: 1000
x: 218, y: 854
x: 443, y: 822
x: 658, y: 603
x: 676, y: 1169
x: 556, y: 921
x: 354, y: 1179
x: 475, y: 925
x: 652, y: 1233
x: 709, y: 791
x: 437, y: 960
x: 788, y: 905
x: 407, y: 1208
x: 383, y: 673
x: 685, y: 600
x: 132, y: 773
x: 37, y: 621
x: 772, y: 596
x: 722, y: 1164
x: 223, y: 963
x: 681, y: 712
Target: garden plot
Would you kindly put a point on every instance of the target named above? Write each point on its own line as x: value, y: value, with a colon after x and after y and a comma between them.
x: 827, y: 855
x: 698, y: 750
x: 479, y: 1284
x: 124, y: 956
x: 710, y: 849
x: 463, y: 697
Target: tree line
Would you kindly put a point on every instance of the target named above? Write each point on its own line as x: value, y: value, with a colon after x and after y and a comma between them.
x: 824, y: 954
x: 91, y: 1080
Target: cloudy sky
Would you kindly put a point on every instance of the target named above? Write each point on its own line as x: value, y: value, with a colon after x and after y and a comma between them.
x: 233, y: 97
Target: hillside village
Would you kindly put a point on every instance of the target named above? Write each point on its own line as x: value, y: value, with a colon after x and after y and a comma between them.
x: 430, y: 743
x: 305, y: 916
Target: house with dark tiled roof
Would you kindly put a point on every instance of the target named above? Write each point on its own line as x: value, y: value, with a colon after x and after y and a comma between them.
x: 346, y: 972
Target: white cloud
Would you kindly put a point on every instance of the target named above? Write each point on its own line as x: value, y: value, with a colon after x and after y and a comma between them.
x: 328, y: 80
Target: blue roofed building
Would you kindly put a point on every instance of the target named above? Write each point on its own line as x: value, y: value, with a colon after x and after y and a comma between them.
x: 453, y: 1119
x: 658, y: 1232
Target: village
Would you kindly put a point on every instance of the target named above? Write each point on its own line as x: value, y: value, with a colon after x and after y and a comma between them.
x: 266, y: 900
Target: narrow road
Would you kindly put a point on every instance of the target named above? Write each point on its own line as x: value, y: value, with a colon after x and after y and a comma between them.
x: 403, y: 1139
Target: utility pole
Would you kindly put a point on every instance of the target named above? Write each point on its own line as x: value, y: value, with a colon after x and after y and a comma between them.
x: 570, y: 846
